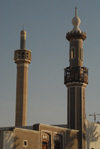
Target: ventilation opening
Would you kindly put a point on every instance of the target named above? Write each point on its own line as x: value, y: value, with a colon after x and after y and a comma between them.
x: 25, y: 143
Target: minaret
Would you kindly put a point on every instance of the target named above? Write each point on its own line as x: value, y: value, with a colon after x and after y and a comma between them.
x: 22, y: 58
x: 76, y: 79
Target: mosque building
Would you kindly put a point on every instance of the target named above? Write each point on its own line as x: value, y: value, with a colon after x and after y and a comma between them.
x: 78, y: 133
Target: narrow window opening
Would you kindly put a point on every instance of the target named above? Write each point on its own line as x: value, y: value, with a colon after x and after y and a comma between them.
x: 25, y: 143
x: 72, y: 53
x: 81, y: 53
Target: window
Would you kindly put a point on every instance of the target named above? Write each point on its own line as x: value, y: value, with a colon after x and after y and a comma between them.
x: 46, y: 140
x: 45, y: 145
x: 25, y: 143
x: 58, y: 142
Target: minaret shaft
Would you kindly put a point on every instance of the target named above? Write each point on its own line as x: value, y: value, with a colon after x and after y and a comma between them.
x: 76, y: 52
x: 76, y: 106
x: 21, y: 94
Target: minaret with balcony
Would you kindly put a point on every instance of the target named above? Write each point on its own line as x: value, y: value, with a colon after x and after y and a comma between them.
x: 22, y: 58
x: 76, y: 80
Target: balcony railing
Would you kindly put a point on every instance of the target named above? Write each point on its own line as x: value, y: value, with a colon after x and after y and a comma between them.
x: 76, y: 74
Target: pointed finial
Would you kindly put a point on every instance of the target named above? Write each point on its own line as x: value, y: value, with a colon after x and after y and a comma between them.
x: 23, y: 27
x: 75, y: 11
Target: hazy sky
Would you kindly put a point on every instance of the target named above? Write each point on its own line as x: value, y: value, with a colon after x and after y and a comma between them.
x: 46, y: 23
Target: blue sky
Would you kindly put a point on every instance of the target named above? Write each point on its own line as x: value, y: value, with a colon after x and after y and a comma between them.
x: 46, y: 23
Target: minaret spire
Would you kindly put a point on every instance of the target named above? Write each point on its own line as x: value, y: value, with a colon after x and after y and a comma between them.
x: 75, y: 11
x: 76, y: 22
x: 23, y: 39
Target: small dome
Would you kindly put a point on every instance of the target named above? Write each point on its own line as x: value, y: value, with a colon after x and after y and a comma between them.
x: 23, y: 31
x: 76, y: 22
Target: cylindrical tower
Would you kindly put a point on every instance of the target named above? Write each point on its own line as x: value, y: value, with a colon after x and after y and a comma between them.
x: 76, y: 79
x: 22, y: 58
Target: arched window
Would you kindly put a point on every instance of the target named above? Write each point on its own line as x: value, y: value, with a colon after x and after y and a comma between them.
x: 46, y: 141
x: 72, y: 54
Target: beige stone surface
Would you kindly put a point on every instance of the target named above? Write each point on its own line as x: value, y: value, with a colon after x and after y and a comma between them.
x: 69, y: 137
x: 21, y: 94
x: 32, y: 137
x: 93, y: 135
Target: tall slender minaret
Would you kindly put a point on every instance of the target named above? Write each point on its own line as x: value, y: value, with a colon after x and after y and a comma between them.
x: 22, y: 58
x: 76, y: 79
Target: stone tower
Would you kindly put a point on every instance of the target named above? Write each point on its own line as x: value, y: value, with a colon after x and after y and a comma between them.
x: 22, y: 58
x: 76, y: 79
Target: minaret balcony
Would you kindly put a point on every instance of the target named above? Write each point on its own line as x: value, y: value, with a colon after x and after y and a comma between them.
x: 75, y: 35
x: 76, y: 74
x: 22, y: 56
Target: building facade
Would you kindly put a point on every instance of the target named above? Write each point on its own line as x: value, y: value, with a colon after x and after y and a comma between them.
x: 79, y: 133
